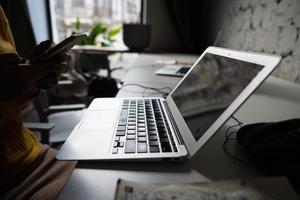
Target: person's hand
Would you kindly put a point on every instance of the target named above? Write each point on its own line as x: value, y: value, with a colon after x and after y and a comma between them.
x: 25, y: 80
x: 52, y: 69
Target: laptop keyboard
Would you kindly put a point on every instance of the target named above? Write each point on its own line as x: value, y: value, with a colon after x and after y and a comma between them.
x: 183, y: 70
x: 143, y: 128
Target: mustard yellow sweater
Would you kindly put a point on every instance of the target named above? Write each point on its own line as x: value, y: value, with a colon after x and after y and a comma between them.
x: 18, y: 146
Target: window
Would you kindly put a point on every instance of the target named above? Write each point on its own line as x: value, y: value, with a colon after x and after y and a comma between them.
x: 112, y: 13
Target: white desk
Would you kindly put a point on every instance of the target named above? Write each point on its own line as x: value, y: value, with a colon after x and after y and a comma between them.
x: 274, y: 100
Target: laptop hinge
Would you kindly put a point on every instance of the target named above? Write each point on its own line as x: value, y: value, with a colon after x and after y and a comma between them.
x: 176, y: 131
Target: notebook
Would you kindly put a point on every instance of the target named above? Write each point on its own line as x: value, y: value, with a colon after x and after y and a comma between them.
x: 177, y: 126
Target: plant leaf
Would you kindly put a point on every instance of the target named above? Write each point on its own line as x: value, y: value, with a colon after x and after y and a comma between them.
x: 99, y: 28
x: 113, y: 32
x: 77, y: 25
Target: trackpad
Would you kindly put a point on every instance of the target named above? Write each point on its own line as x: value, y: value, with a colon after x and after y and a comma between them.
x: 99, y: 120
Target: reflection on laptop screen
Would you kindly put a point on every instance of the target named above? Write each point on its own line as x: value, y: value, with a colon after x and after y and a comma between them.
x: 210, y: 88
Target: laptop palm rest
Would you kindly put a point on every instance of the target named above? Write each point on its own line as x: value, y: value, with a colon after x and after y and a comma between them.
x: 99, y: 120
x: 92, y: 138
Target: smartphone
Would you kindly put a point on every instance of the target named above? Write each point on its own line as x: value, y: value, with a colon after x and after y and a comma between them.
x: 60, y: 48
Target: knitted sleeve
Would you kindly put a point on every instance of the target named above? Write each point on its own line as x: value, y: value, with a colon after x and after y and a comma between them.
x: 18, y: 146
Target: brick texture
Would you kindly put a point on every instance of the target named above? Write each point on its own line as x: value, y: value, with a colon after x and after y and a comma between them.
x: 270, y: 26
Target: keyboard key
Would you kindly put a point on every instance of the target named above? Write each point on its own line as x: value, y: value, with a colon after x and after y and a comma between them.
x: 141, y: 125
x: 152, y: 133
x: 130, y: 137
x: 142, y: 129
x: 154, y: 149
x: 120, y: 133
x: 131, y: 132
x: 164, y: 140
x: 117, y: 138
x: 152, y: 137
x: 115, y: 150
x: 163, y: 135
x: 121, y: 128
x: 153, y: 143
x: 131, y: 127
x: 152, y: 128
x: 166, y: 148
x: 120, y: 144
x: 142, y: 148
x: 142, y: 139
x: 123, y: 117
x: 142, y: 134
x: 115, y: 144
x: 161, y: 127
x: 130, y: 146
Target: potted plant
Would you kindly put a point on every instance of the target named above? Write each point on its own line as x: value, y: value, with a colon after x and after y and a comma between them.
x: 99, y: 29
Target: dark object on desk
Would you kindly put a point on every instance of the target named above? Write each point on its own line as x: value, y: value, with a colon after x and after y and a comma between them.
x: 274, y: 147
x: 102, y: 87
x: 136, y: 36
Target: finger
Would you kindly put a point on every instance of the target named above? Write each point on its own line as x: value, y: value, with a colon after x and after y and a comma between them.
x: 61, y: 58
x: 57, y: 68
x: 43, y: 69
x: 40, y: 49
x: 9, y: 58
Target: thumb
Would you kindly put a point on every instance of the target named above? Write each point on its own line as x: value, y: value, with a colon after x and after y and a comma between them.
x: 40, y: 49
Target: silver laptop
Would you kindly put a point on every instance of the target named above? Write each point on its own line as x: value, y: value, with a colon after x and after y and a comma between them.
x: 175, y: 127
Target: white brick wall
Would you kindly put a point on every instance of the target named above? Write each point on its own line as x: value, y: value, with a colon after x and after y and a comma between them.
x: 271, y: 26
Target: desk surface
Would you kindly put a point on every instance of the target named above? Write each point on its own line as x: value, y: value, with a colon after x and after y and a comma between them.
x: 98, y: 48
x: 273, y: 101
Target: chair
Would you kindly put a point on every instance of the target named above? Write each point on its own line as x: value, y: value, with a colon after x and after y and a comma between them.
x: 43, y: 128
x: 57, y: 121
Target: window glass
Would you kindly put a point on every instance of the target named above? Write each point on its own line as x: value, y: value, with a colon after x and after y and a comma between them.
x: 111, y: 13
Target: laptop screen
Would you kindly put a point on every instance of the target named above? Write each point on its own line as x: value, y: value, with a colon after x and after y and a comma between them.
x: 210, y: 88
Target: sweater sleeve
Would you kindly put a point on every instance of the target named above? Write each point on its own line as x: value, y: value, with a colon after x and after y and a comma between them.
x: 18, y: 145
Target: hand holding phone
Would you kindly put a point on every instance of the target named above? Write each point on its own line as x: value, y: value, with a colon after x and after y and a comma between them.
x: 60, y: 48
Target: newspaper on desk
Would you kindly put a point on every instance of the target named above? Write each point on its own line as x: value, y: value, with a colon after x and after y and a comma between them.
x: 255, y: 189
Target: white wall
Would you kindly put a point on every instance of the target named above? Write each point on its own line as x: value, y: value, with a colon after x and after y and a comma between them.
x: 271, y: 26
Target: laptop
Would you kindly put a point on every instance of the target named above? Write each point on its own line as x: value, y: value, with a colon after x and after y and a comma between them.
x: 177, y: 126
x: 173, y: 70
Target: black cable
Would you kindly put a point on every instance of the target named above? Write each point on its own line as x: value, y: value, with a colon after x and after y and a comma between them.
x: 228, y: 137
x: 238, y: 121
x: 158, y: 90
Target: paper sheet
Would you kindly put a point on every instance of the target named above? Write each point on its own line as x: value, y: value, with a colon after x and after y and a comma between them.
x: 254, y: 189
